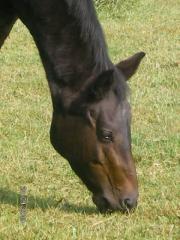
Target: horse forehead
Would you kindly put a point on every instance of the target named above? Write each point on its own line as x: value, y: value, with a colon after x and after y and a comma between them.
x: 113, y: 112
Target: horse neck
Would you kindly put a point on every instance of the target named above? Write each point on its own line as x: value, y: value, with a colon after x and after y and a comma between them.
x: 68, y: 53
x: 72, y: 49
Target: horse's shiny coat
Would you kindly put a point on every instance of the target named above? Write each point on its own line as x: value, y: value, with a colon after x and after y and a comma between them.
x: 91, y: 114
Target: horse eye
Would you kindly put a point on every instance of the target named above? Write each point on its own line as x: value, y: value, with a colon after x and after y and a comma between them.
x: 106, y: 136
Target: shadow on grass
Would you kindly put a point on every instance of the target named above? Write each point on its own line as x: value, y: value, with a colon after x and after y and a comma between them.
x: 12, y: 198
x: 70, y: 208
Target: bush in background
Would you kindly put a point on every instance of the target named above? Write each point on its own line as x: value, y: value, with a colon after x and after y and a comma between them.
x: 118, y: 8
x: 105, y: 2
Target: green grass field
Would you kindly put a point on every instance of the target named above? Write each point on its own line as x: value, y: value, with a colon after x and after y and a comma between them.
x: 59, y: 206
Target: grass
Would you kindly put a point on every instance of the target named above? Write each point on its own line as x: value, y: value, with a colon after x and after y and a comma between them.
x: 59, y: 206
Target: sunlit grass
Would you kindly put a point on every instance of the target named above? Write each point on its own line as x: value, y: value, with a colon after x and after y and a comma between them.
x: 59, y: 206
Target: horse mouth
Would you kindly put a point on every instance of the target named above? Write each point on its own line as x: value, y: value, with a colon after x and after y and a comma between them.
x: 105, y: 207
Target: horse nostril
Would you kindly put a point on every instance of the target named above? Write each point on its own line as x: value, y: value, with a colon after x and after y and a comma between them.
x: 129, y: 203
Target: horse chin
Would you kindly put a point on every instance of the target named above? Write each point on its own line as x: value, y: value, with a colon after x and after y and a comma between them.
x: 102, y: 204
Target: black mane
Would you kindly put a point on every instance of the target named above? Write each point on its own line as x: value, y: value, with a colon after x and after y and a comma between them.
x: 85, y: 14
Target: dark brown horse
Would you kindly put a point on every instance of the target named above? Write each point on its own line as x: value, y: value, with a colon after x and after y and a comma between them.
x: 91, y: 115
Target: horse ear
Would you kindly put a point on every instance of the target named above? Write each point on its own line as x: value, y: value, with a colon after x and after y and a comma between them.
x: 100, y: 86
x: 129, y: 66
